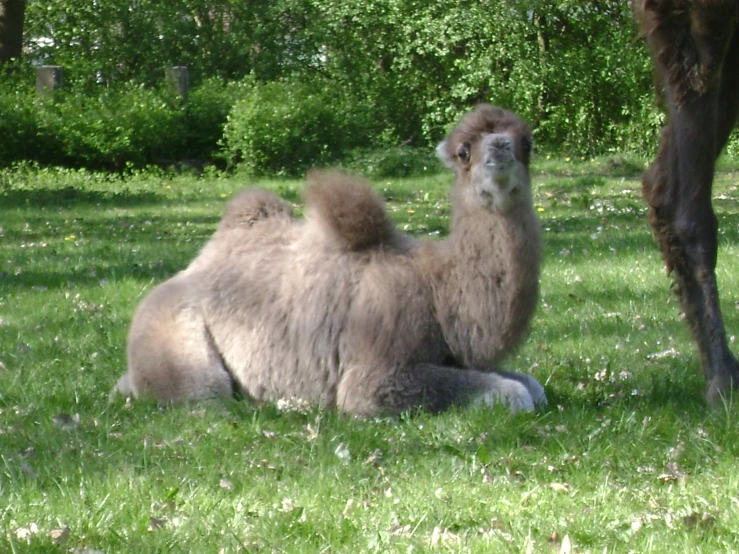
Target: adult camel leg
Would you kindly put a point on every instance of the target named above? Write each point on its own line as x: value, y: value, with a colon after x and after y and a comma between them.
x: 729, y: 93
x: 725, y: 376
x: 678, y: 190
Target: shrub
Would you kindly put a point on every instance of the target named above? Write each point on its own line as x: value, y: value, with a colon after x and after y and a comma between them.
x: 18, y: 127
x: 113, y: 128
x: 397, y: 161
x: 732, y: 146
x: 206, y: 114
x: 286, y: 127
x: 135, y: 127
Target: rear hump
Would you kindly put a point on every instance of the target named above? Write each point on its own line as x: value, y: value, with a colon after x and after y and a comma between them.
x: 348, y: 210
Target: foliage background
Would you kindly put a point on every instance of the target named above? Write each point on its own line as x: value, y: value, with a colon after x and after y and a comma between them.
x: 389, y: 72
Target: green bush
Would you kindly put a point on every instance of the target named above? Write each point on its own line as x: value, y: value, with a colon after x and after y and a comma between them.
x: 396, y: 161
x: 115, y: 128
x: 112, y: 130
x: 284, y: 128
x: 206, y: 113
x: 18, y: 127
x: 732, y: 147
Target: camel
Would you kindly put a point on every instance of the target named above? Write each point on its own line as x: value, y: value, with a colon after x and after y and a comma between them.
x: 695, y: 45
x: 343, y: 310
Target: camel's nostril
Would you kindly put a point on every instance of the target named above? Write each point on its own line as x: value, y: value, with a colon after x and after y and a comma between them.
x: 500, y: 141
x: 498, y: 150
x: 502, y: 144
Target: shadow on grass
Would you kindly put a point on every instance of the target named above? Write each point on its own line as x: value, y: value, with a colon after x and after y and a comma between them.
x: 145, y: 259
x: 69, y: 195
x: 609, y: 167
x: 620, y: 231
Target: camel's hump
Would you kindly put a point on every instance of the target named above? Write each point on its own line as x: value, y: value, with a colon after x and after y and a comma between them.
x: 348, y: 209
x: 252, y: 205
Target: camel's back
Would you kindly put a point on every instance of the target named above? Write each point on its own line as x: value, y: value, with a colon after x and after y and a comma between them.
x: 281, y: 293
x: 277, y: 311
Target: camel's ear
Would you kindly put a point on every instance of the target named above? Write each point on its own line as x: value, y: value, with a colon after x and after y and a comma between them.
x: 443, y: 154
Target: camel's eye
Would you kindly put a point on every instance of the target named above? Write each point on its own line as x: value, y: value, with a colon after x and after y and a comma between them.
x: 463, y: 152
x: 526, y: 144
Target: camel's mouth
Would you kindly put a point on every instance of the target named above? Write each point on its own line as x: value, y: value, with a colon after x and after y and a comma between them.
x: 498, y: 153
x: 500, y: 168
x: 499, y: 165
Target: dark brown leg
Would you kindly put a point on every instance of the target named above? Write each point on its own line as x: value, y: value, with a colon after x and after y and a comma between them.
x: 729, y: 95
x: 678, y: 189
x: 725, y: 374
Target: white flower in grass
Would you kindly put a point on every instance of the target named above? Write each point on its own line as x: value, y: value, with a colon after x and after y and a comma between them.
x: 342, y: 453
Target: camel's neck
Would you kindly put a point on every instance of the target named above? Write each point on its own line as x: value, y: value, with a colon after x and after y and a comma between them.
x: 495, y: 247
x: 487, y: 283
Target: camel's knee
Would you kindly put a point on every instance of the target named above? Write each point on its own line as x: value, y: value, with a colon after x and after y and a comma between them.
x: 357, y: 394
x: 123, y: 388
x: 684, y: 224
x: 696, y: 224
x: 173, y: 359
x: 170, y: 378
x: 697, y: 230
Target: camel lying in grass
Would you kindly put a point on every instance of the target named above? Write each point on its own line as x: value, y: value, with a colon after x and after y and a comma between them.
x: 345, y: 311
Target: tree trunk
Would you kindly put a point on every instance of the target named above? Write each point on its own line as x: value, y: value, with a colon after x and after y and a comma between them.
x: 542, y: 38
x: 12, y: 15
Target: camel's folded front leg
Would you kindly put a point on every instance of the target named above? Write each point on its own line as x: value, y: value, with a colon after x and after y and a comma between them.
x: 371, y: 390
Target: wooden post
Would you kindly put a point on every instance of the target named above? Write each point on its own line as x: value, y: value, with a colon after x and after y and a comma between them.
x: 177, y: 81
x: 49, y: 78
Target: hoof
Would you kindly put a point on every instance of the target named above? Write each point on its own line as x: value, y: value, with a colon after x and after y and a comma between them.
x: 519, y: 391
x: 509, y: 392
x: 536, y: 390
x: 721, y: 390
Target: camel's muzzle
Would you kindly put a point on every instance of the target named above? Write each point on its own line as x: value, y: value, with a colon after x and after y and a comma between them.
x: 498, y: 151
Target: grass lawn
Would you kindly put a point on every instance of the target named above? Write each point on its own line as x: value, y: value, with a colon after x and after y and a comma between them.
x: 626, y: 459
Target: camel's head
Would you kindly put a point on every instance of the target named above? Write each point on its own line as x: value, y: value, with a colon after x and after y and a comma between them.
x: 489, y: 151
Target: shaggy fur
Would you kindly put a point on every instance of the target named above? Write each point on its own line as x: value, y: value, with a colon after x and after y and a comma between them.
x: 345, y: 311
x: 695, y: 44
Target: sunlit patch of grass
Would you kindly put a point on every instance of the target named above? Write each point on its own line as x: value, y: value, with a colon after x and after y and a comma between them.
x: 627, y: 458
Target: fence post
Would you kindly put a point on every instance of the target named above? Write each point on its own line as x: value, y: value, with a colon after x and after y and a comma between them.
x: 177, y: 81
x: 49, y: 78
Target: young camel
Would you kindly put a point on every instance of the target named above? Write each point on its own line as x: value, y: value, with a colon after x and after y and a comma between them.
x: 695, y: 44
x: 345, y: 311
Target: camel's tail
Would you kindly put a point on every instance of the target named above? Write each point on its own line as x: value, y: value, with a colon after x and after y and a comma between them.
x: 252, y: 205
x: 349, y: 210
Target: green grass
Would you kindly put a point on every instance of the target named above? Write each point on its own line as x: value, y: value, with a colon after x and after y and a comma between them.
x: 627, y: 459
